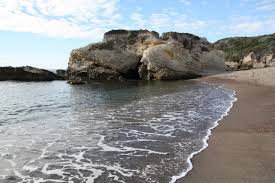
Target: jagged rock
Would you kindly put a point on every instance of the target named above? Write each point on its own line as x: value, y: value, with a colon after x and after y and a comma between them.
x: 213, y: 62
x: 84, y: 61
x: 168, y: 61
x: 183, y: 56
x: 116, y: 58
x: 100, y: 73
x: 242, y: 53
x: 142, y: 54
x: 27, y: 74
x: 189, y: 41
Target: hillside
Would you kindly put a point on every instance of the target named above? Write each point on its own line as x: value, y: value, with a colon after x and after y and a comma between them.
x: 243, y: 53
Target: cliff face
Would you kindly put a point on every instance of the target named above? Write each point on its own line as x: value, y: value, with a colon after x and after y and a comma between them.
x: 180, y: 56
x: 26, y: 74
x: 243, y: 53
x: 144, y: 55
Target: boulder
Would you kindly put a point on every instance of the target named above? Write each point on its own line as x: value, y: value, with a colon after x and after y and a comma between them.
x: 27, y: 74
x: 85, y: 61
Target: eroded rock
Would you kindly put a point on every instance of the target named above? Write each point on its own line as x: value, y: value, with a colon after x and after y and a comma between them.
x: 144, y: 55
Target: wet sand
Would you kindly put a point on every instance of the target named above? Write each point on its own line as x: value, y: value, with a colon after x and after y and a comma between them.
x: 242, y: 148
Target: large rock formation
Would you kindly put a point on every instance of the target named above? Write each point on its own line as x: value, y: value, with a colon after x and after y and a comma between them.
x: 242, y: 53
x: 27, y: 74
x: 145, y: 55
x: 181, y: 56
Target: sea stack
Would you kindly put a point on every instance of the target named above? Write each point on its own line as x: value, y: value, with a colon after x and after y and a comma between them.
x: 143, y: 54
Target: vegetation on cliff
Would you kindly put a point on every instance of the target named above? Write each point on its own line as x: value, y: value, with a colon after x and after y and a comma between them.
x: 237, y: 48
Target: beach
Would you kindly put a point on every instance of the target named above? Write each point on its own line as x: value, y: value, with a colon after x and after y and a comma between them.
x: 242, y: 148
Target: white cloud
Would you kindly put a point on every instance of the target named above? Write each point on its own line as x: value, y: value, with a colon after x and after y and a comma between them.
x: 138, y: 19
x: 86, y: 18
x: 247, y: 27
x: 167, y: 20
x: 91, y: 18
x: 265, y: 5
x: 268, y: 5
x: 191, y: 25
x: 60, y: 18
x: 252, y: 25
x: 160, y: 20
x: 186, y: 2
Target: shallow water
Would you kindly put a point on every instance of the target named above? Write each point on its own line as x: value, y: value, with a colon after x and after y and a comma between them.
x: 105, y: 132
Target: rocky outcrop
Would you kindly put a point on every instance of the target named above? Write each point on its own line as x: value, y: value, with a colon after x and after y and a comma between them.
x: 144, y: 55
x: 26, y: 74
x: 61, y: 73
x: 242, y: 53
x: 116, y: 58
x: 181, y: 56
x: 168, y: 61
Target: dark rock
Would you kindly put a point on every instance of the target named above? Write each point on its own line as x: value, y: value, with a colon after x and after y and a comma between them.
x: 100, y: 73
x: 27, y: 74
x: 61, y: 73
x: 12, y: 177
x: 129, y: 36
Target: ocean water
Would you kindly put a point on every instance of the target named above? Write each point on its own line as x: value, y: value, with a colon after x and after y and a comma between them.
x: 132, y: 132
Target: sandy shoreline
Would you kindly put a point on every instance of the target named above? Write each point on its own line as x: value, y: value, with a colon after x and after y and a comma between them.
x: 242, y: 148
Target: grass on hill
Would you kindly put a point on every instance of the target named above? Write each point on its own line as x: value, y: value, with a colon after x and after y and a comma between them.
x: 237, y: 48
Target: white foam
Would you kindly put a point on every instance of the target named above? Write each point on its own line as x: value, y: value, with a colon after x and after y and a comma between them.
x: 140, y: 140
x: 40, y: 180
x: 107, y: 148
x: 30, y: 168
x: 117, y: 168
x: 49, y: 172
x: 205, y: 140
x: 96, y: 174
x: 148, y: 133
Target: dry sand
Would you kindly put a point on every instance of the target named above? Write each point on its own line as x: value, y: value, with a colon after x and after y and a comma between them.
x: 256, y: 77
x: 242, y: 147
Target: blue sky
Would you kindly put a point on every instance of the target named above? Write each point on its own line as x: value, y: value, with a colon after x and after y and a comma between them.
x: 42, y: 33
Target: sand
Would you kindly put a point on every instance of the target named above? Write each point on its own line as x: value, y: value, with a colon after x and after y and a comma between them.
x: 256, y: 77
x: 242, y: 148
